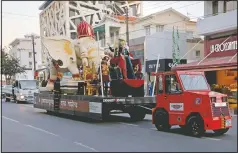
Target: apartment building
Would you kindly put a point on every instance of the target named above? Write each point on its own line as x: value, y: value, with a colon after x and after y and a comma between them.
x: 162, y: 23
x: 22, y: 49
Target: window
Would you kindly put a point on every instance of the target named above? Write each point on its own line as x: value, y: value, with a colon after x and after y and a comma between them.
x: 197, y: 53
x: 134, y: 11
x: 160, y: 84
x: 147, y: 30
x: 194, y: 82
x: 73, y: 35
x: 214, y: 7
x: 171, y: 85
x: 30, y: 54
x: 159, y: 28
x: 30, y: 64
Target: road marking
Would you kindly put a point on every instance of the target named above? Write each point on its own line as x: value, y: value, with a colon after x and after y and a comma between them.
x: 10, y: 119
x: 31, y: 106
x: 85, y: 146
x: 42, y: 130
x: 215, y: 139
x: 128, y: 124
x: 153, y: 128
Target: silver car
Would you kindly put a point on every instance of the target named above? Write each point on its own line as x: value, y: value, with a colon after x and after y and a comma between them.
x: 6, y: 89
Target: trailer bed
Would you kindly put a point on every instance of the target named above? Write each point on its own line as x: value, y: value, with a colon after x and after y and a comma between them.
x: 94, y: 107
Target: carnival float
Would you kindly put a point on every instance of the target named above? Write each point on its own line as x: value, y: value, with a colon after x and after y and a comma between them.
x: 114, y: 72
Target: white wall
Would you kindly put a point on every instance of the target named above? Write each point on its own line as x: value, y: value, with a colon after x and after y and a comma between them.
x: 161, y: 43
x: 218, y: 24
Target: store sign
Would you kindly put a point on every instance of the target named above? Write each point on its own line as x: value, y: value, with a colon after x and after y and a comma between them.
x: 222, y: 47
x: 164, y: 65
x: 226, y: 46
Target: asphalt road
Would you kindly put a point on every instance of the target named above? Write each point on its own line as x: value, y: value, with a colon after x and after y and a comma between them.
x: 25, y: 129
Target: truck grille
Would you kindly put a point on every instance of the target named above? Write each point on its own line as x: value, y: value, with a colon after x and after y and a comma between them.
x: 30, y: 97
x: 218, y: 111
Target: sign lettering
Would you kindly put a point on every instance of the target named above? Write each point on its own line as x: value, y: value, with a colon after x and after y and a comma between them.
x: 176, y: 107
x: 72, y: 104
x: 63, y: 103
x: 172, y: 65
x: 108, y: 100
x: 227, y: 46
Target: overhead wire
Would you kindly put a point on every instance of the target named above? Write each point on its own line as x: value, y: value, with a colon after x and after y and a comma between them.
x: 153, y: 23
x: 155, y: 5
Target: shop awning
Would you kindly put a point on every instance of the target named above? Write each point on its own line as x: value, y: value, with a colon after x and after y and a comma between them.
x: 210, y: 64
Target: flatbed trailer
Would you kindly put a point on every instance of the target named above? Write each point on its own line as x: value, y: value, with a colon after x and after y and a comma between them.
x: 94, y: 107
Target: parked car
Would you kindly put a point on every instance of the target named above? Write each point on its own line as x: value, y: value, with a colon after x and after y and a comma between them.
x: 6, y: 89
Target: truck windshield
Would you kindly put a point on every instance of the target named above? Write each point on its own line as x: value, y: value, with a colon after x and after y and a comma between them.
x: 28, y: 84
x: 194, y: 82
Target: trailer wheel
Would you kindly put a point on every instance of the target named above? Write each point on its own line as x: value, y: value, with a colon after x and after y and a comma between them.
x: 220, y: 131
x: 195, y: 126
x: 137, y: 115
x: 161, y: 120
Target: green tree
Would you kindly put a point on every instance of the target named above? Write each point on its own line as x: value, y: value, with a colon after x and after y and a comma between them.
x: 10, y: 66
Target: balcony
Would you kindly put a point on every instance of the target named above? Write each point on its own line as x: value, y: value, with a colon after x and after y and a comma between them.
x: 218, y: 24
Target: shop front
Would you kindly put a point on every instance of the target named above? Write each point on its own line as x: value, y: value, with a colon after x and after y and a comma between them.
x: 219, y: 64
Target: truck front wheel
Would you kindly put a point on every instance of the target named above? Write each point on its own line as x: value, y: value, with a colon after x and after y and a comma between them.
x: 161, y: 120
x: 195, y: 126
x: 220, y: 131
x: 137, y: 115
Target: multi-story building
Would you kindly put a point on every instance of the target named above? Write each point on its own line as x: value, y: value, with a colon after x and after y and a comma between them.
x: 22, y: 48
x: 219, y: 28
x: 141, y: 27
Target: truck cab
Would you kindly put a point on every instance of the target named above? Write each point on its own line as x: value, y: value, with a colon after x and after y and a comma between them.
x: 23, y: 90
x: 184, y: 98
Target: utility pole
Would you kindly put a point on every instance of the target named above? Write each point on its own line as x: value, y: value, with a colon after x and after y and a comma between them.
x: 127, y: 27
x: 33, y: 49
x: 33, y: 37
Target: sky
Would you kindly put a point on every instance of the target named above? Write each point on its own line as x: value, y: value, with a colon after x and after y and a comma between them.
x: 22, y: 17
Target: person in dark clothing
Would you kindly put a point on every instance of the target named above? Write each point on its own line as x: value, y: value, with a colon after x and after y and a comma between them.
x: 57, y: 85
x: 43, y: 83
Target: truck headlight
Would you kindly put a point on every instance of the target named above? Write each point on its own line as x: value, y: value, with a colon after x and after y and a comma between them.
x: 21, y: 97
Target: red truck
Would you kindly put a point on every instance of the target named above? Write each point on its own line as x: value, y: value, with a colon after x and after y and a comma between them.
x: 184, y: 98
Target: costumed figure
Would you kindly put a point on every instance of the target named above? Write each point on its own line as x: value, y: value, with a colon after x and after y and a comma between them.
x: 68, y: 55
x: 81, y: 72
x: 105, y: 73
x: 137, y: 72
x: 121, y: 52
